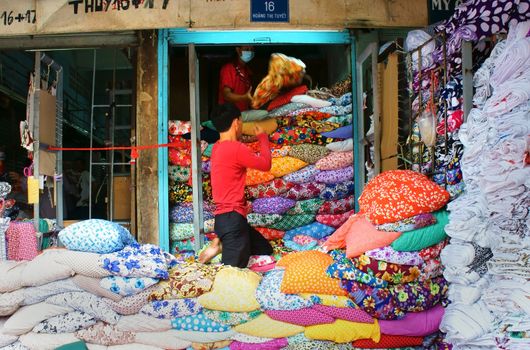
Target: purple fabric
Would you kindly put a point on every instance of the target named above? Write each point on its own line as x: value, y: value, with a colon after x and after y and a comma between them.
x: 301, y: 317
x: 414, y: 324
x: 275, y: 344
x: 345, y: 313
x: 272, y: 205
x: 344, y: 132
x: 335, y: 176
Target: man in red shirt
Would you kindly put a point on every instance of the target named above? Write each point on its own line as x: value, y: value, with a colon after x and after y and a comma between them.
x: 229, y: 162
x: 234, y: 80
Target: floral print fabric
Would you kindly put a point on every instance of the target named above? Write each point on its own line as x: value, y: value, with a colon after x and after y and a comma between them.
x: 334, y: 220
x: 86, y: 302
x: 343, y: 268
x: 305, y: 191
x: 179, y: 173
x: 303, y: 175
x: 315, y: 230
x: 126, y: 286
x: 420, y: 296
x: 273, y: 188
x: 230, y: 318
x: 338, y: 206
x: 168, y: 309
x: 335, y: 161
x: 67, y: 323
x: 309, y: 153
x: 409, y: 224
x: 289, y: 222
x: 308, y: 206
x: 337, y: 191
x: 293, y: 136
x: 335, y: 176
x: 104, y: 334
x: 180, y: 192
x: 183, y: 213
x: 270, y: 297
x: 273, y: 205
x: 256, y: 177
x: 186, y: 280
x: 263, y: 220
x: 390, y: 255
x: 270, y: 233
x: 392, y: 273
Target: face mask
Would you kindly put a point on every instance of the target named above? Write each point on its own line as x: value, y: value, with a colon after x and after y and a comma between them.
x: 246, y: 56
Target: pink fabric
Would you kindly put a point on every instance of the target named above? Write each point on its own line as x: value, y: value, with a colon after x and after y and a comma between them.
x: 274, y: 344
x: 345, y: 313
x: 263, y: 268
x: 301, y: 317
x: 21, y: 241
x: 414, y: 324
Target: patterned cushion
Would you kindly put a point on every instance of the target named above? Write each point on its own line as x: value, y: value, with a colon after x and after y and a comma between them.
x: 303, y: 175
x: 342, y: 331
x: 270, y: 233
x: 180, y: 192
x: 353, y: 314
x: 183, y: 213
x: 264, y: 326
x: 182, y: 245
x: 305, y: 191
x: 145, y: 260
x: 96, y: 236
x: 273, y: 205
x: 179, y: 127
x: 256, y: 177
x: 186, y: 280
x: 181, y: 157
x: 270, y: 297
x: 335, y: 161
x: 67, y: 323
x: 28, y: 317
x: 198, y: 323
x: 315, y: 230
x: 406, y: 193
x: 420, y: 296
x: 293, y: 135
x: 308, y: 206
x: 230, y: 318
x: 179, y: 173
x: 329, y: 300
x: 393, y: 273
x: 250, y: 339
x: 273, y: 188
x: 301, y: 243
x: 309, y: 153
x: 377, y: 302
x: 88, y: 303
x: 302, y: 317
x: 305, y: 272
x: 334, y: 220
x: 335, y: 176
x: 285, y: 165
x: 289, y: 222
x: 390, y: 255
x: 126, y: 286
x: 286, y: 109
x: 90, y: 285
x: 343, y: 268
x: 22, y: 240
x: 338, y: 206
x: 263, y: 220
x: 104, y: 334
x: 337, y: 191
x: 233, y: 290
x: 169, y: 309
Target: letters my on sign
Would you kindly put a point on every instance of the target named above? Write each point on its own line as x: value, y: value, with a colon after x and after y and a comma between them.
x: 440, y: 10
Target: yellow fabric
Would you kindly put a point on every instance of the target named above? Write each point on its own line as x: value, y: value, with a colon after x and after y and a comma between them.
x: 330, y: 300
x: 233, y: 291
x: 266, y: 327
x: 269, y: 126
x: 306, y: 273
x: 342, y: 331
x: 285, y: 165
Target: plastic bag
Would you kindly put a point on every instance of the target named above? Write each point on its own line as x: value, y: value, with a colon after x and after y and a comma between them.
x: 427, y: 125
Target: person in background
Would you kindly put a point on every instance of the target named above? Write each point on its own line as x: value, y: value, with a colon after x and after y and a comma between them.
x: 229, y: 163
x: 84, y: 184
x: 235, y: 79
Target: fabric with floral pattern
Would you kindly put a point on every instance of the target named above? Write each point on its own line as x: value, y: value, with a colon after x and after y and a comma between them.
x: 335, y: 161
x: 180, y: 192
x: 337, y: 206
x: 104, y: 334
x: 270, y: 297
x: 180, y: 157
x: 430, y: 269
x: 145, y: 260
x: 409, y: 224
x: 272, y: 205
x: 199, y: 323
x: 305, y: 191
x: 342, y: 120
x: 67, y: 323
x: 285, y: 165
x: 256, y: 177
x: 315, y: 230
x: 177, y: 247
x: 309, y: 153
x: 334, y: 220
x: 399, y: 194
x: 308, y: 206
x: 318, y: 126
x: 183, y: 213
x: 126, y: 286
x: 343, y: 268
x: 329, y: 300
x: 289, y: 222
x: 392, y: 273
x: 272, y: 188
x: 337, y: 191
x: 178, y: 127
x: 318, y: 345
x: 169, y: 309
x: 263, y: 220
x: 335, y: 176
x: 301, y: 243
x: 280, y: 152
x: 88, y: 303
x: 230, y: 318
x: 420, y: 296
x: 270, y: 233
x: 377, y: 302
x: 286, y: 109
x: 186, y: 280
x: 179, y: 173
x: 302, y: 317
x: 433, y: 252
x: 390, y: 255
x: 303, y: 175
x: 260, y: 260
x: 290, y: 135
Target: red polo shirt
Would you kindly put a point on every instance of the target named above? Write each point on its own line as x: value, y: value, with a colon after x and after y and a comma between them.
x: 237, y: 78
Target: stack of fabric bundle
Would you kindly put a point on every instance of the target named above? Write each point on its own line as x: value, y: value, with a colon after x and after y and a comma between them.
x: 487, y: 260
x: 5, y: 189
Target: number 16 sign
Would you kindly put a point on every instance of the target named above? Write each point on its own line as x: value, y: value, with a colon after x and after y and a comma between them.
x: 269, y: 11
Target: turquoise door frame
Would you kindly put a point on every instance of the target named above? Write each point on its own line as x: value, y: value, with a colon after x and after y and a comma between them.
x: 178, y: 36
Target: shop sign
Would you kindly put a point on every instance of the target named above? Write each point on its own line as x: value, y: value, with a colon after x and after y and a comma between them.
x: 440, y: 10
x: 269, y: 11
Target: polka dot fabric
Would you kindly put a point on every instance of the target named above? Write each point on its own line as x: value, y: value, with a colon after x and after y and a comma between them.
x: 306, y: 273
x: 335, y: 176
x: 399, y: 194
x: 335, y: 160
x: 353, y: 314
x: 301, y: 317
x: 389, y: 342
x: 198, y: 323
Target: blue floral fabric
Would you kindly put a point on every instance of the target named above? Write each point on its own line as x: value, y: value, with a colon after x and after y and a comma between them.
x: 344, y: 268
x: 183, y: 213
x: 170, y: 309
x: 126, y: 286
x: 315, y: 230
x: 198, y: 323
x: 270, y: 297
x: 137, y: 260
x: 312, y: 244
x: 337, y: 191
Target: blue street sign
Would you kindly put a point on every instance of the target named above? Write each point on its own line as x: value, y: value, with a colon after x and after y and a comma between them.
x: 269, y: 11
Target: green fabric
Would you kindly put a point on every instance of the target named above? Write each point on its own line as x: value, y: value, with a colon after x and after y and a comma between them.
x: 208, y: 151
x: 254, y: 114
x: 423, y: 237
x: 308, y: 206
x: 209, y: 125
x: 179, y: 173
x: 78, y: 345
x: 262, y: 220
x: 343, y: 120
x: 289, y: 222
x: 231, y: 318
